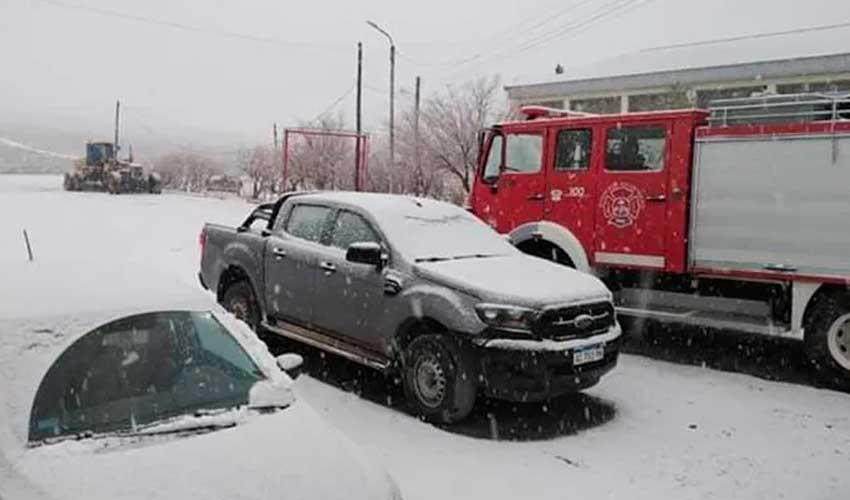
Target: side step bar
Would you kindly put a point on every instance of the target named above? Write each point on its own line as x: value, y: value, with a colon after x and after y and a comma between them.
x: 707, y: 320
x: 329, y: 344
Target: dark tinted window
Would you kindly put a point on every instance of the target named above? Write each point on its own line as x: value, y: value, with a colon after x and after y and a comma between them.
x: 572, y: 151
x: 307, y: 221
x: 635, y: 148
x: 351, y: 228
x: 139, y: 370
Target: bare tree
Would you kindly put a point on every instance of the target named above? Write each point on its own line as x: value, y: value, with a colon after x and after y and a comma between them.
x: 321, y: 162
x: 260, y: 164
x: 450, y: 123
x: 187, y: 171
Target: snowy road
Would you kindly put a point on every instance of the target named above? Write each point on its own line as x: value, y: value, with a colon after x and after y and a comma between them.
x: 652, y: 429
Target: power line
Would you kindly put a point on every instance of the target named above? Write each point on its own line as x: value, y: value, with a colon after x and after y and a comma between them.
x: 335, y: 103
x: 192, y: 28
x: 606, y: 11
x: 755, y: 36
x: 507, y: 33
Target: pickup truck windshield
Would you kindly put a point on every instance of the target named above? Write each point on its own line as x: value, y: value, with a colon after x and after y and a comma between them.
x: 440, y: 231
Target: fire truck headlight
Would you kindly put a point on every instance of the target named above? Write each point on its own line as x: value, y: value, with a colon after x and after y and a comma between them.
x: 507, y: 318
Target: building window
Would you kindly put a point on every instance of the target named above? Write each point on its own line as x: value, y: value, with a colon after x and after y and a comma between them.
x: 704, y: 97
x: 657, y: 102
x: 599, y: 105
x: 635, y: 148
x: 823, y: 87
x: 557, y: 104
x: 572, y: 151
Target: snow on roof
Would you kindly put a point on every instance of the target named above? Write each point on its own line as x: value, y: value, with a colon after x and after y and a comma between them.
x: 422, y: 227
x: 827, y: 48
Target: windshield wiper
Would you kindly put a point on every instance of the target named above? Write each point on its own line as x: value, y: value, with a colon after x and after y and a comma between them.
x: 432, y: 259
x: 474, y: 256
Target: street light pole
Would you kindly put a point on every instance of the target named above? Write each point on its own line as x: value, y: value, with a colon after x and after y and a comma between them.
x: 392, y: 92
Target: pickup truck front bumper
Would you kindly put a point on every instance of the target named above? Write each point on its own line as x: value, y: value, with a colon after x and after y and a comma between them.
x: 534, y: 370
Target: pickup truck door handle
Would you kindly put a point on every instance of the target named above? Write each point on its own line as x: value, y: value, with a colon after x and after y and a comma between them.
x: 536, y: 197
x: 279, y: 253
x: 328, y: 267
x: 656, y: 197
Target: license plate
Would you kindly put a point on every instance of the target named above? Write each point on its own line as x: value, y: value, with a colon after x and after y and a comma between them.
x: 588, y: 354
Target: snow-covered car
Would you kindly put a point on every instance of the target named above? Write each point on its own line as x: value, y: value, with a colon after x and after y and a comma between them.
x: 126, y: 385
x: 416, y: 287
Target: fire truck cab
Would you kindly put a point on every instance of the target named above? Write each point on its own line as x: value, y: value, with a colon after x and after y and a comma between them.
x: 736, y: 217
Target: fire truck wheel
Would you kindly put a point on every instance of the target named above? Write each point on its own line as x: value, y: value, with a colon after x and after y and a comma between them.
x: 546, y: 250
x: 828, y: 335
x: 438, y: 378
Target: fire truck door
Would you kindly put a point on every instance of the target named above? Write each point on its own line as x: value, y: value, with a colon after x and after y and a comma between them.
x: 571, y: 182
x: 516, y: 181
x: 631, y: 211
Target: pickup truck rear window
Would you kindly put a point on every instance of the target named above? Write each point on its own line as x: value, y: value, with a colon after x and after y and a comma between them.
x: 307, y: 221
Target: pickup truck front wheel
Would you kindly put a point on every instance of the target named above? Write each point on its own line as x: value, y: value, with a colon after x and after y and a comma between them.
x: 438, y: 379
x: 238, y: 298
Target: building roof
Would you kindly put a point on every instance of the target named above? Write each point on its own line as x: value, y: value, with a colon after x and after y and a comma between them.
x: 769, y: 56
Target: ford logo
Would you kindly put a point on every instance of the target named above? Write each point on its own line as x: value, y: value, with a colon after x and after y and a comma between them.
x: 583, y: 321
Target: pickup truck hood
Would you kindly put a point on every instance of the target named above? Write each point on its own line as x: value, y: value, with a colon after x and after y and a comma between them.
x: 516, y: 279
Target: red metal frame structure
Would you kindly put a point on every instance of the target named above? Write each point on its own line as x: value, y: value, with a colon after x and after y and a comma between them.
x: 360, y: 164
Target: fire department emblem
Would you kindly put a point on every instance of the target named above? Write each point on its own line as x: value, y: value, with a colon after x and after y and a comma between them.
x: 621, y: 204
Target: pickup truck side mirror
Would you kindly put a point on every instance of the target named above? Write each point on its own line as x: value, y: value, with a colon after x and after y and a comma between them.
x: 366, y: 252
x: 291, y: 364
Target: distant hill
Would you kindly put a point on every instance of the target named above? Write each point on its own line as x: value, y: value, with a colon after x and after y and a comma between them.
x: 27, y: 149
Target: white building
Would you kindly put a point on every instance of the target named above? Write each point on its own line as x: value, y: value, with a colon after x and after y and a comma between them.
x: 693, y: 74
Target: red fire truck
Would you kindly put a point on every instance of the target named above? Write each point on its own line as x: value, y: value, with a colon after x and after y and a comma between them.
x: 735, y: 218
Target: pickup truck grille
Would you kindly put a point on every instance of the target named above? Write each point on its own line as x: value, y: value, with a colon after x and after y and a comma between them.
x: 574, y: 322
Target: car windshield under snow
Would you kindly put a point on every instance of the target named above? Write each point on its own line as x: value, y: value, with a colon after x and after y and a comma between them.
x: 442, y: 235
x: 140, y: 370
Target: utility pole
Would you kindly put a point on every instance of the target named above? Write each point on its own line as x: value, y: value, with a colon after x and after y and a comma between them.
x: 392, y: 105
x: 274, y: 132
x: 392, y: 92
x: 117, y: 117
x: 416, y: 152
x: 357, y: 146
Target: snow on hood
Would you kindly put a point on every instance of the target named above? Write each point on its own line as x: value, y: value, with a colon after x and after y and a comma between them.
x: 517, y: 279
x: 290, y: 454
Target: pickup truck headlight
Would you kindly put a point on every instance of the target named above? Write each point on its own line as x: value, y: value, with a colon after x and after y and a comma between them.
x: 508, y: 318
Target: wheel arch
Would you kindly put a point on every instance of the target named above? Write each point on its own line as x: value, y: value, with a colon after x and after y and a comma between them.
x: 805, y: 296
x: 556, y: 235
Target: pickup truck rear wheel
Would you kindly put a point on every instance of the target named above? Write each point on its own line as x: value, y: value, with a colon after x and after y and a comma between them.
x: 828, y: 335
x: 438, y: 378
x: 238, y: 298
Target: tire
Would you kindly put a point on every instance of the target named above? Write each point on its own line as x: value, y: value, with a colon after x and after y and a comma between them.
x: 238, y: 298
x: 827, y: 339
x: 439, y: 378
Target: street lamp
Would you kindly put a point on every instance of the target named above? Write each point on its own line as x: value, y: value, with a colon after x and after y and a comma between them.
x: 392, y: 90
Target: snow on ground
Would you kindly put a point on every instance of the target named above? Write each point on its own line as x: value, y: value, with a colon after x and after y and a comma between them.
x: 651, y: 429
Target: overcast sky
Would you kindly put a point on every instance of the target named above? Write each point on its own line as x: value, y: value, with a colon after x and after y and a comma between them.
x: 64, y: 62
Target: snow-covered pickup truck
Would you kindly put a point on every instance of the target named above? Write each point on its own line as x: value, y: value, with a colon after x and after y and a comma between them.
x: 419, y: 287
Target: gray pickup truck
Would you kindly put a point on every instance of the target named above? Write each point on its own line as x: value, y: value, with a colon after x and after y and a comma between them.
x: 417, y: 287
